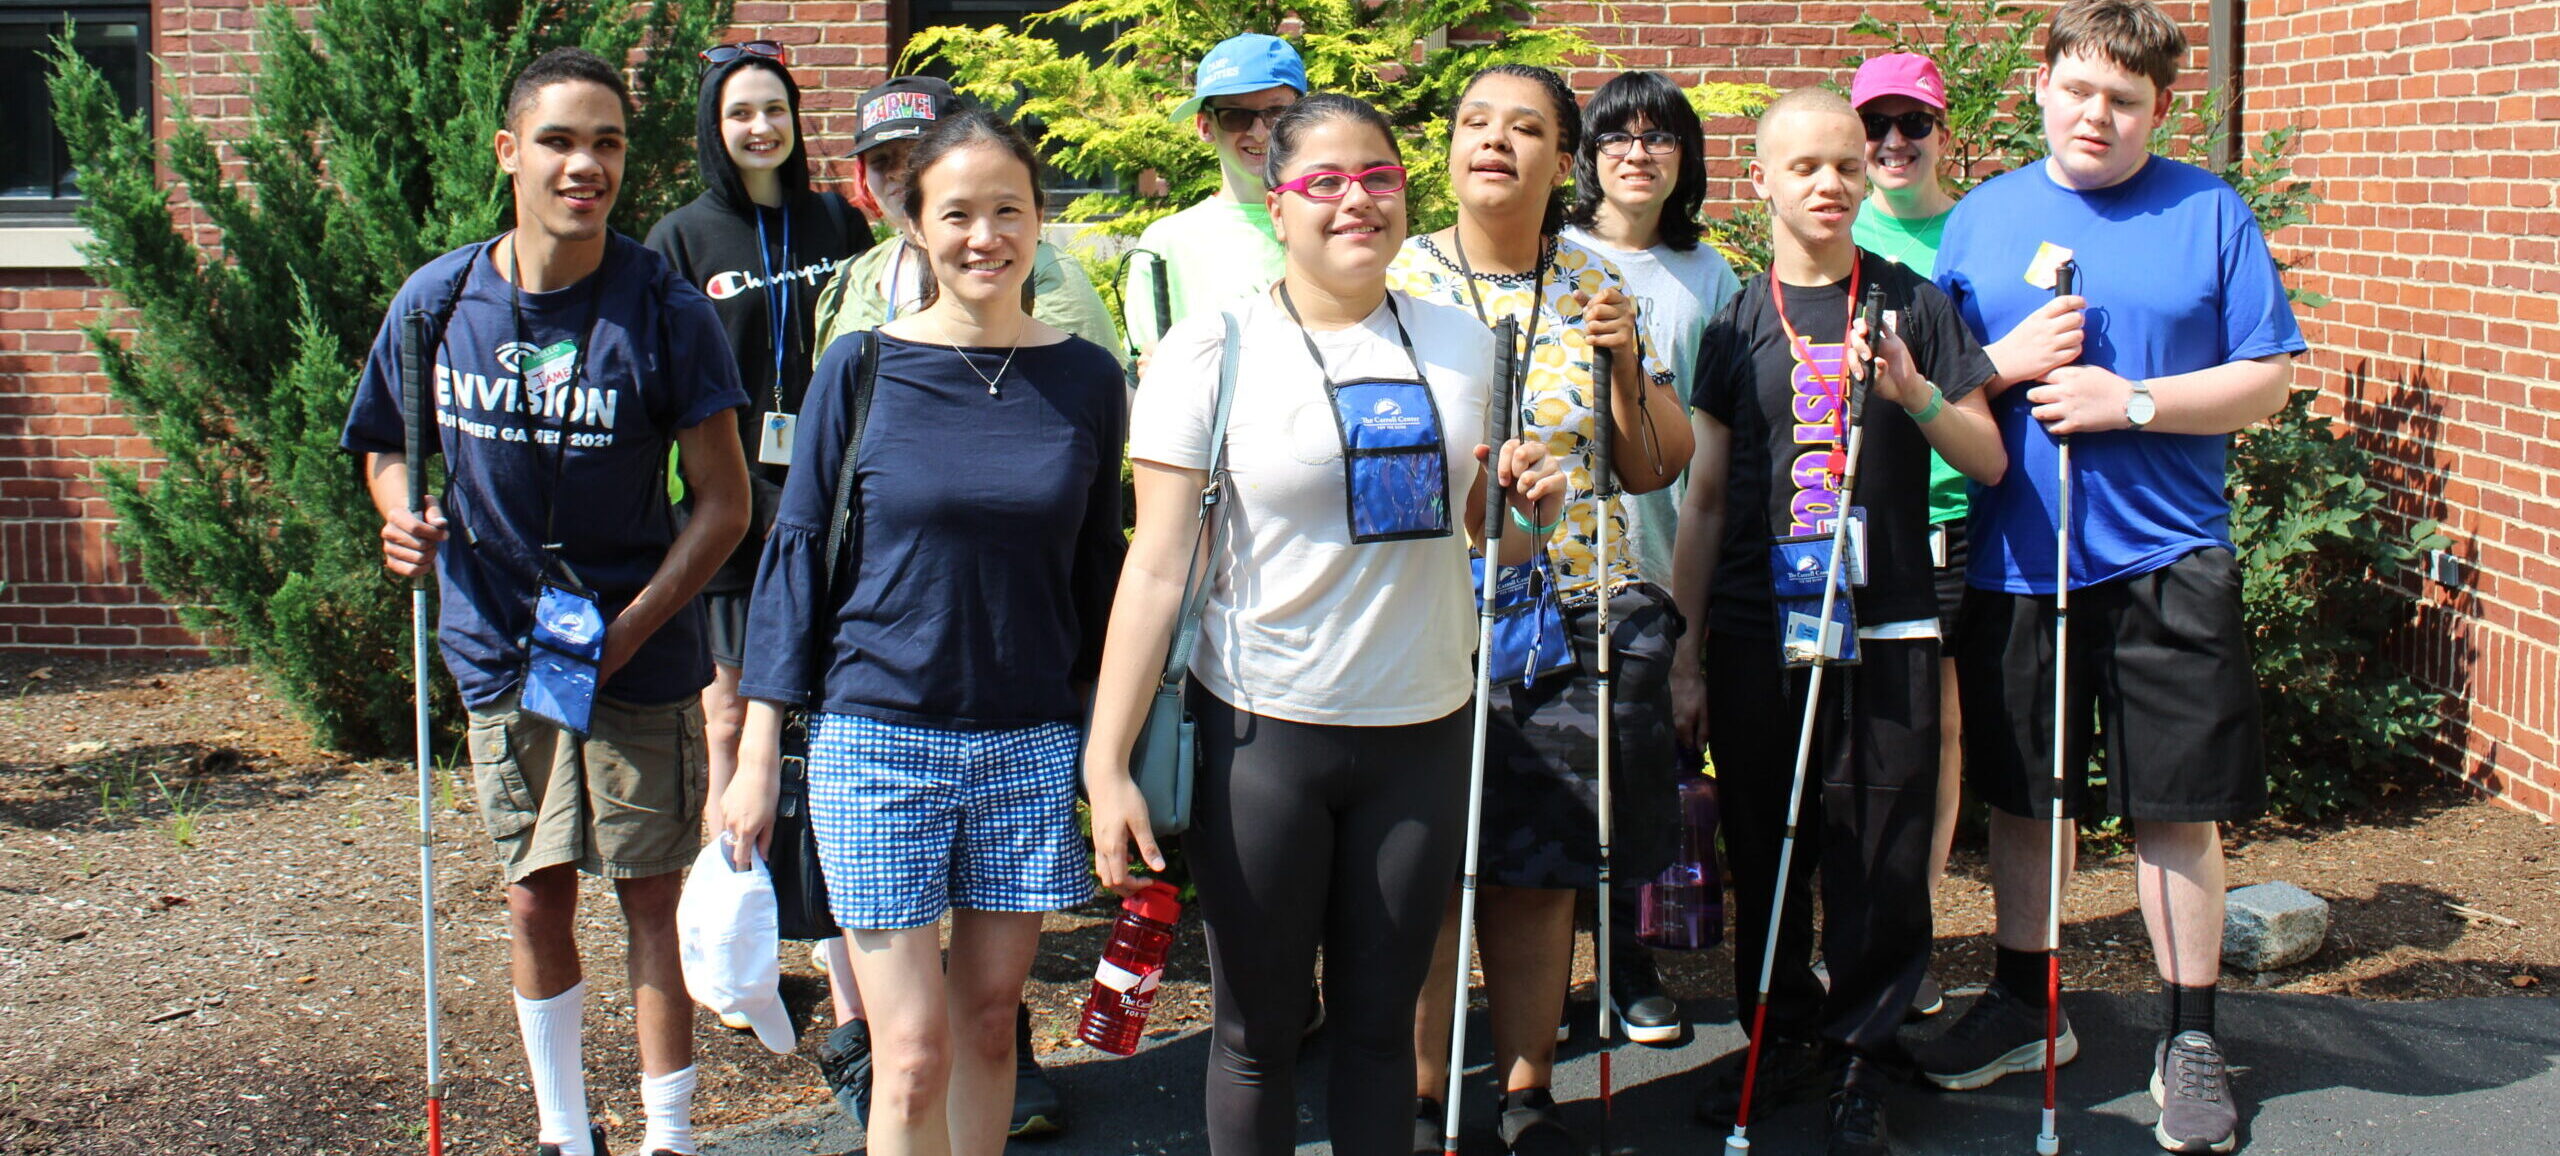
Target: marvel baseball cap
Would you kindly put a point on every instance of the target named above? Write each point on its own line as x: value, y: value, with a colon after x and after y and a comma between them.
x: 1248, y: 63
x: 900, y: 109
x: 1899, y: 74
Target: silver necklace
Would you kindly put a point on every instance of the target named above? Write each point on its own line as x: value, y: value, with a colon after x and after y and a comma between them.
x: 966, y: 360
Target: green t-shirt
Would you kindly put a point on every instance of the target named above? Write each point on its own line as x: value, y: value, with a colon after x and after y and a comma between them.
x: 1914, y: 245
x: 1212, y: 252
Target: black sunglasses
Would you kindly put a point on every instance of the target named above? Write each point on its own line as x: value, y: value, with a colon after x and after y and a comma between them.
x: 1238, y: 120
x: 1915, y: 125
x: 724, y: 53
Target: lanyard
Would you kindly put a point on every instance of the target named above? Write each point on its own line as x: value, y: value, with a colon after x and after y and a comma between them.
x: 777, y: 296
x: 1406, y: 339
x: 563, y: 395
x: 1537, y: 296
x: 1837, y: 384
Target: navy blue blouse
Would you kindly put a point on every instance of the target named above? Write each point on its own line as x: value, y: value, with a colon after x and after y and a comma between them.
x: 986, y: 541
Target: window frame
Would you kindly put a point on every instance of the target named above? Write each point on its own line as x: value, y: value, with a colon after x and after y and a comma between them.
x: 56, y: 212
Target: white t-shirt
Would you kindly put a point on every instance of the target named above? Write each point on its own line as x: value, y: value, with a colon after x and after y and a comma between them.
x: 1675, y: 294
x: 1301, y: 624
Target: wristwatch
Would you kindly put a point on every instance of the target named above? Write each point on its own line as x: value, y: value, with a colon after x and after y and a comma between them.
x: 2138, y: 406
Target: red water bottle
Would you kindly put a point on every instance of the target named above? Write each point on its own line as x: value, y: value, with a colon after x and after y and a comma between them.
x: 1124, y: 984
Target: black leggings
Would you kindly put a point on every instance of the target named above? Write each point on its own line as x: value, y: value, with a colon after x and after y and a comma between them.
x: 1306, y: 834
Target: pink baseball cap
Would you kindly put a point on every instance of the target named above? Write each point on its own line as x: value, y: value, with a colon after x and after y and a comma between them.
x: 1899, y: 74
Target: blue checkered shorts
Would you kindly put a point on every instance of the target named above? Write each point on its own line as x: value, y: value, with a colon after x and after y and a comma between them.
x: 913, y: 821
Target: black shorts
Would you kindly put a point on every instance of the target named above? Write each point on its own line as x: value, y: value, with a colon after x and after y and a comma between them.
x: 1542, y: 790
x: 2159, y: 665
x: 1949, y: 580
x: 724, y: 618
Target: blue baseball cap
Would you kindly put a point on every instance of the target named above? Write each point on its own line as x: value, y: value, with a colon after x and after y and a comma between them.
x: 1248, y: 63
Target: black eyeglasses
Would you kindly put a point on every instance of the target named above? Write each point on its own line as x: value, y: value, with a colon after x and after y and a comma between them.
x: 724, y: 53
x: 1915, y: 125
x: 1241, y: 120
x: 1617, y: 144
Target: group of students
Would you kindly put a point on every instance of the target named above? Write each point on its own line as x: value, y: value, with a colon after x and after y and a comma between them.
x: 903, y: 515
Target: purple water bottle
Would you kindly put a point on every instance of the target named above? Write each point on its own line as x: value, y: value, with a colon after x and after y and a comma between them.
x: 1682, y: 909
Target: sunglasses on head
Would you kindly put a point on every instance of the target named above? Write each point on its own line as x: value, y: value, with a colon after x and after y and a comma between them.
x: 1655, y: 141
x: 1915, y: 125
x: 1240, y: 120
x: 724, y: 53
x: 1334, y: 184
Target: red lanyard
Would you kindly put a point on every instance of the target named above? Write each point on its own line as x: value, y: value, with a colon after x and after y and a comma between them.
x: 1838, y: 383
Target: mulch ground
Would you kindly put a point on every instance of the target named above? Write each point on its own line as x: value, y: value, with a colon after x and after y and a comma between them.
x: 208, y: 933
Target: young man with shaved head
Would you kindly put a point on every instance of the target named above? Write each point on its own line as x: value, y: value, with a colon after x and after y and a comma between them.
x: 565, y: 360
x: 2180, y: 335
x: 1769, y: 411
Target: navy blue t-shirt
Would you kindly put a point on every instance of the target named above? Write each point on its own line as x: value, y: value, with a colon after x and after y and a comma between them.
x: 979, y: 565
x: 2178, y: 279
x: 651, y: 361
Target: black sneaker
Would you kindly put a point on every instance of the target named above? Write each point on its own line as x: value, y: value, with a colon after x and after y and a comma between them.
x: 1530, y: 1126
x: 2000, y: 1034
x: 1649, y: 1015
x: 1857, y: 1124
x: 595, y: 1144
x: 1429, y: 1120
x: 1928, y: 1001
x: 1791, y: 1072
x: 2189, y: 1082
x: 1038, y: 1110
x: 844, y: 1058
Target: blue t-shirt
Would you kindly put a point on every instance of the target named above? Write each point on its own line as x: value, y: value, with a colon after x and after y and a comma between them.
x: 2178, y: 279
x: 977, y: 571
x: 651, y: 361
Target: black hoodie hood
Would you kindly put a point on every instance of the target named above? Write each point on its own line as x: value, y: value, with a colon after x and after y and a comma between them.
x: 711, y: 153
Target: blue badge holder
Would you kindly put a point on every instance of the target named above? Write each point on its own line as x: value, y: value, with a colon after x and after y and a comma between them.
x: 1396, y: 469
x: 1799, y: 567
x: 567, y: 646
x: 1529, y: 639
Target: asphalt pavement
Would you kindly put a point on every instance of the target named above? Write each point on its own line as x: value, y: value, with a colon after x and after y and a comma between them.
x: 2316, y: 1075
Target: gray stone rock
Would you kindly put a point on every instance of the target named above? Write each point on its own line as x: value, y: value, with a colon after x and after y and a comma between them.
x: 2272, y: 925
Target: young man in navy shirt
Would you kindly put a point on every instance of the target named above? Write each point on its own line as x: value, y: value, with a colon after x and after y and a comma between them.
x: 570, y: 358
x: 2179, y: 336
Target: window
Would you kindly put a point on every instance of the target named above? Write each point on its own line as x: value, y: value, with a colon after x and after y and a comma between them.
x: 1085, y: 43
x: 36, y: 181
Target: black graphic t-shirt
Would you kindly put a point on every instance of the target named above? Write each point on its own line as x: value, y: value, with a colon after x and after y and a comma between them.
x: 1780, y: 403
x: 650, y: 361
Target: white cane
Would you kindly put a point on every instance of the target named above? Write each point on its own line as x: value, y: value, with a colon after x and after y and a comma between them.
x: 414, y: 338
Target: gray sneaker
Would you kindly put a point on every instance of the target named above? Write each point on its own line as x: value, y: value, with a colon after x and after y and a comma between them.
x: 2188, y: 1081
x: 2000, y: 1034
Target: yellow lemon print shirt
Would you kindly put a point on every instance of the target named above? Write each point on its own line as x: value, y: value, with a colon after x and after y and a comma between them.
x: 1556, y: 392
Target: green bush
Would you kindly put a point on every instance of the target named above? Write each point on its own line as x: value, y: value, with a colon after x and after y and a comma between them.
x: 367, y: 152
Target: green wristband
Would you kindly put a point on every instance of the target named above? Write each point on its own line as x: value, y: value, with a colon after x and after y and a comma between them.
x: 1937, y: 403
x: 1522, y: 520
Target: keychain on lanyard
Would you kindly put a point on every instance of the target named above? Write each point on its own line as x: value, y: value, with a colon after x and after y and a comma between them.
x: 780, y: 426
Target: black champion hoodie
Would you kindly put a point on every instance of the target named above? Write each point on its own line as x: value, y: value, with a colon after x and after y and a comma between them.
x: 713, y: 242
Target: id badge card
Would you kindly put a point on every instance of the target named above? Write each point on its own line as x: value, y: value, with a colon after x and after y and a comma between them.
x: 1799, y: 570
x: 1853, y: 571
x: 566, y: 649
x: 1395, y: 469
x: 1938, y: 547
x: 773, y: 447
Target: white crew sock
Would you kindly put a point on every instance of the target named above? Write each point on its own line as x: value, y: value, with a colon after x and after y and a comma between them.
x: 668, y: 1103
x: 555, y: 1053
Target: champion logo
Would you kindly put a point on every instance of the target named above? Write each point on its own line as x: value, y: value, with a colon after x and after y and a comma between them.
x: 512, y: 355
x: 723, y: 286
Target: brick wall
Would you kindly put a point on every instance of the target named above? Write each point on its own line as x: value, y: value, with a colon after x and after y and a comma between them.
x: 2433, y: 130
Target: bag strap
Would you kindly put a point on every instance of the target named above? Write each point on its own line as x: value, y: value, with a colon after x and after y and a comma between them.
x: 1195, y: 581
x: 866, y: 378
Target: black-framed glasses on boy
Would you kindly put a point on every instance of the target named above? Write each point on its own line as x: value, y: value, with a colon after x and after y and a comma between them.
x: 1655, y: 141
x: 1232, y: 119
x: 1915, y: 125
x: 724, y: 53
x: 1334, y: 184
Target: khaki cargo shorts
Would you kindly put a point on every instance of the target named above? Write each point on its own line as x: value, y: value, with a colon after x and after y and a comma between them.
x: 625, y: 803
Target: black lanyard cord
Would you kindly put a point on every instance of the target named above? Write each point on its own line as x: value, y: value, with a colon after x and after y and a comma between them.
x: 563, y: 395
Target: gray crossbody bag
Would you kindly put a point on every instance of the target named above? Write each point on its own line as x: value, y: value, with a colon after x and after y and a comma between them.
x: 1166, y: 756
